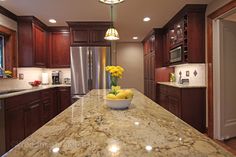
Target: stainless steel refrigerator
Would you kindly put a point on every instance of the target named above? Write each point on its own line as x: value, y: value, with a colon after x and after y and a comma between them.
x: 88, y: 69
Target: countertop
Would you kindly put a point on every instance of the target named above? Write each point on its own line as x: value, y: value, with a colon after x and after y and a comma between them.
x: 177, y: 85
x: 28, y: 90
x: 88, y: 128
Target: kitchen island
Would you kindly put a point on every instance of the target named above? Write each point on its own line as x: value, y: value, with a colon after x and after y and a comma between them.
x: 88, y: 128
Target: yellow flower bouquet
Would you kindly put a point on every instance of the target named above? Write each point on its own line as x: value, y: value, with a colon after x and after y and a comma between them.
x: 8, y: 73
x: 116, y: 73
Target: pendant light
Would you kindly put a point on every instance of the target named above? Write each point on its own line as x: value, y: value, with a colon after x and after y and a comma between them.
x: 111, y: 1
x: 111, y: 33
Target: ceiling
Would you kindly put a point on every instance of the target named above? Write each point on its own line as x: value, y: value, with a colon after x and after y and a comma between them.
x: 231, y: 17
x: 128, y: 15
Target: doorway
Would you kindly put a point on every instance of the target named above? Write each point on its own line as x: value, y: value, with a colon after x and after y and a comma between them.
x: 224, y: 85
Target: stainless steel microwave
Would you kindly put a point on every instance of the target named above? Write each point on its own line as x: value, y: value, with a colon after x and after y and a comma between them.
x: 176, y: 54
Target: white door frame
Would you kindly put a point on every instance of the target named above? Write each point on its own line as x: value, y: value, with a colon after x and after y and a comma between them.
x: 217, y: 96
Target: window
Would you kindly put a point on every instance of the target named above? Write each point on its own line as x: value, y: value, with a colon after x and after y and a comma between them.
x: 1, y: 54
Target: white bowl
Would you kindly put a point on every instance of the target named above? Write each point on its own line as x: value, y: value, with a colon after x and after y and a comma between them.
x: 118, y: 104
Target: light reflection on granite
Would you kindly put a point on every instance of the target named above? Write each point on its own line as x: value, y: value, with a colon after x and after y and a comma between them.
x: 90, y: 129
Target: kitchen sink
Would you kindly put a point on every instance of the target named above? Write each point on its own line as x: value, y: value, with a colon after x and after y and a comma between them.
x: 11, y: 91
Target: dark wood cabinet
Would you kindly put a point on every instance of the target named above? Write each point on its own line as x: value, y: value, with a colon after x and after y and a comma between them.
x: 165, y: 49
x: 189, y: 104
x: 14, y: 126
x: 64, y: 98
x: 152, y: 59
x: 49, y: 105
x: 39, y: 46
x: 24, y: 114
x: 31, y: 42
x: 88, y: 33
x: 187, y: 29
x: 21, y: 117
x: 59, y: 48
x: 32, y: 116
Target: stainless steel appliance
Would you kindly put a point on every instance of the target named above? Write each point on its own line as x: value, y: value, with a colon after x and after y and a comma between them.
x: 88, y: 69
x: 56, y: 77
x: 2, y: 129
x: 176, y: 54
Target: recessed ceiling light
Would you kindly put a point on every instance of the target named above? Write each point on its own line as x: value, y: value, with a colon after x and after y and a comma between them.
x: 2, y: 0
x: 135, y: 38
x: 146, y: 19
x: 52, y: 21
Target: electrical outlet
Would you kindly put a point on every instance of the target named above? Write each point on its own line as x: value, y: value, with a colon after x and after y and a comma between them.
x: 21, y: 76
x: 187, y: 73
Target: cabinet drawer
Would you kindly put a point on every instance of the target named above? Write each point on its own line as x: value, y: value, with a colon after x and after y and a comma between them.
x: 174, y: 92
x: 163, y: 89
x: 21, y: 100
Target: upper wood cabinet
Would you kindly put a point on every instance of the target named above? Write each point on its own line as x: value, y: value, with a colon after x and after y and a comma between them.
x: 88, y: 33
x: 187, y: 29
x: 59, y: 47
x: 31, y: 42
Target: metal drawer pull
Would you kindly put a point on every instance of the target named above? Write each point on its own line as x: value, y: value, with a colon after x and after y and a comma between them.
x: 34, y: 106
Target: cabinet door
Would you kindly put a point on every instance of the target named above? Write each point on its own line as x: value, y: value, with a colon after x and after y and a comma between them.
x: 32, y: 117
x: 173, y: 105
x: 166, y: 49
x: 152, y: 43
x: 146, y: 47
x: 97, y: 37
x: 153, y: 89
x: 39, y: 46
x: 48, y: 104
x: 80, y: 36
x: 152, y: 66
x: 60, y: 50
x: 14, y: 127
x: 145, y: 86
x: 64, y: 98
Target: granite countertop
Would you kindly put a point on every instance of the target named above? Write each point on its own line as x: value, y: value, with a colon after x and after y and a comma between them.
x: 88, y: 128
x: 177, y: 85
x: 28, y: 90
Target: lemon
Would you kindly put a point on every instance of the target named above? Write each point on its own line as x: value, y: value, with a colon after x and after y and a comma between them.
x: 129, y: 93
x: 121, y: 95
x: 111, y: 96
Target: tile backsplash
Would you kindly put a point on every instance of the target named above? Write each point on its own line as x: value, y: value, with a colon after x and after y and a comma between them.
x: 196, y: 73
x: 30, y: 74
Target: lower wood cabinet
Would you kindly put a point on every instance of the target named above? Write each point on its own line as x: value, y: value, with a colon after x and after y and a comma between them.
x: 32, y: 116
x: 64, y: 98
x: 24, y: 114
x: 189, y: 104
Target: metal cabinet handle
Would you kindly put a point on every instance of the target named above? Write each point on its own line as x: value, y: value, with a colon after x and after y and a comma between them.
x: 34, y: 106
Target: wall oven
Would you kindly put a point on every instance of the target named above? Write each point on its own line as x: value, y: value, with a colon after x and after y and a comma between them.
x: 176, y: 54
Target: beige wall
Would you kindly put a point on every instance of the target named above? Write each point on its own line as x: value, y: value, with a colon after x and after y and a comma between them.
x: 130, y: 57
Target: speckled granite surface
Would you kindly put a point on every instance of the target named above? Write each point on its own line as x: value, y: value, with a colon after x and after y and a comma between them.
x: 28, y: 90
x: 177, y: 85
x: 90, y: 129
